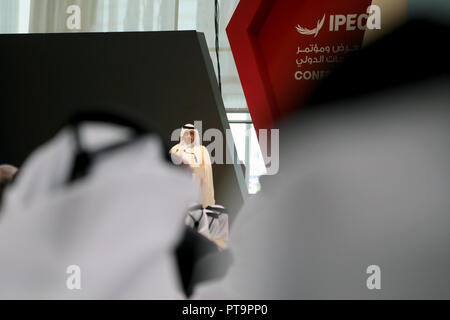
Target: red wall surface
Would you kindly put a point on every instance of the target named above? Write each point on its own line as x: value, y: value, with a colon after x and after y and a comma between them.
x: 264, y: 41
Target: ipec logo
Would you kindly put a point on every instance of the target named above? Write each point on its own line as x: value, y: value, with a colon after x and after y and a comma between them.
x: 369, y: 20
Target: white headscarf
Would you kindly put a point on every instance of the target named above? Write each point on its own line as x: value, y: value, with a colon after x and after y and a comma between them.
x: 189, y: 153
x: 116, y: 224
x: 186, y: 128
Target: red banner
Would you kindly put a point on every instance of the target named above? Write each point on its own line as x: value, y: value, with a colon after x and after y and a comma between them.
x: 282, y: 48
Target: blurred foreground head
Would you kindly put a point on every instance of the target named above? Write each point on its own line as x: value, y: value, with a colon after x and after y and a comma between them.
x: 364, y: 181
x: 73, y: 207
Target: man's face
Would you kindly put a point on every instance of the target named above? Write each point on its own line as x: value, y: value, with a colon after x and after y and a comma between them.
x: 188, y: 136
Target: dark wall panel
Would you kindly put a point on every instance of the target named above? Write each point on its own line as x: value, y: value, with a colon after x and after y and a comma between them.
x: 164, y: 78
